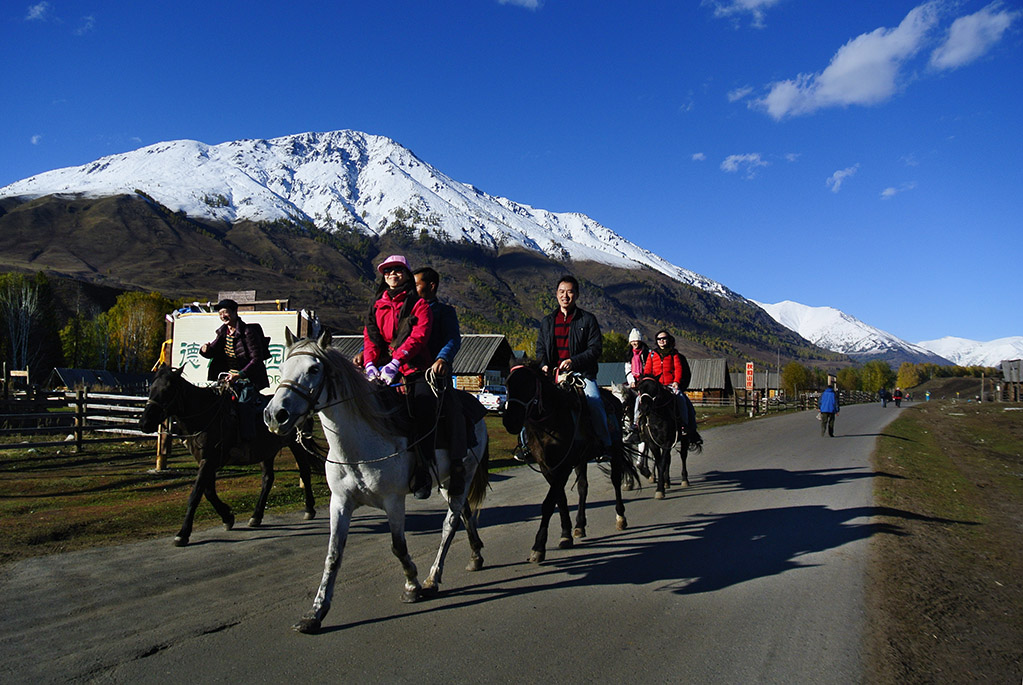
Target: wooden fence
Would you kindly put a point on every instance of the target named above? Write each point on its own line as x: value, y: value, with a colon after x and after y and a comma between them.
x: 83, y: 418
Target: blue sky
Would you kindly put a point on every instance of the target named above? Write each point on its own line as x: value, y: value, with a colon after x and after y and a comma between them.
x: 861, y: 155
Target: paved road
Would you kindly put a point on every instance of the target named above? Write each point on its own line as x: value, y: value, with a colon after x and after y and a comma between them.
x: 753, y: 574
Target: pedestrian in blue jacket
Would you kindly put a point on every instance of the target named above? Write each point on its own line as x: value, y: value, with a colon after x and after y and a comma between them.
x: 829, y: 408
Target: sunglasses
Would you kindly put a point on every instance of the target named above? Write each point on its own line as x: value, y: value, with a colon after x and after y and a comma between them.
x: 391, y: 270
x: 660, y: 339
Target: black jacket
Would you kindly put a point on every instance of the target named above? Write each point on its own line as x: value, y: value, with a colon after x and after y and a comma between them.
x: 585, y: 343
x: 247, y: 349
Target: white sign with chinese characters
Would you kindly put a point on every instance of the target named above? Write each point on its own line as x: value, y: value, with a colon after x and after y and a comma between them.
x: 192, y: 331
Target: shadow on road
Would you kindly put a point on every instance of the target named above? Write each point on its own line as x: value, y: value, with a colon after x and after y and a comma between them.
x: 705, y: 553
x: 782, y: 479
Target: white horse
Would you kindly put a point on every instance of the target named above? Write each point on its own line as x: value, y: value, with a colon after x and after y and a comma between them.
x: 370, y: 461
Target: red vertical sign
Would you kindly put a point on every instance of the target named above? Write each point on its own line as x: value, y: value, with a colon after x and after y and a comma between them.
x: 749, y: 375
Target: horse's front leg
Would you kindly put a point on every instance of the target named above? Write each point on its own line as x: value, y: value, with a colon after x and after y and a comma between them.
x: 206, y: 474
x: 617, y: 469
x: 267, y: 467
x: 683, y: 452
x: 663, y: 464
x: 395, y: 509
x: 556, y: 483
x: 305, y: 474
x: 340, y: 520
x: 582, y: 485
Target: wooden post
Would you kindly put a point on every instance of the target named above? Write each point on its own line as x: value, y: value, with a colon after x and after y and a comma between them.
x: 79, y: 419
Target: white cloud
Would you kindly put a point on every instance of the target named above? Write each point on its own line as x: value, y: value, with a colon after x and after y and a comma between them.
x: 86, y: 26
x: 793, y: 156
x: 864, y: 71
x: 739, y: 93
x: 528, y: 4
x: 971, y: 36
x: 732, y: 8
x: 836, y: 179
x: 749, y: 162
x: 36, y: 139
x: 38, y: 11
x: 699, y: 157
x: 892, y: 191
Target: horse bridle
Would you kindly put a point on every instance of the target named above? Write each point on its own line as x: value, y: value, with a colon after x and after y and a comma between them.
x: 536, y: 400
x: 312, y: 398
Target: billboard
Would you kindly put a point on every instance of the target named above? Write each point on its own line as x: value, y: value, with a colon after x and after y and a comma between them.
x: 192, y: 331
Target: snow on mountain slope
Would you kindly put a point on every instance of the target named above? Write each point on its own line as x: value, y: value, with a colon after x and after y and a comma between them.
x: 975, y: 353
x: 343, y: 176
x: 839, y: 332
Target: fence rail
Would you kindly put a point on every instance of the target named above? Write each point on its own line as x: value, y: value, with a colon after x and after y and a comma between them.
x: 86, y: 418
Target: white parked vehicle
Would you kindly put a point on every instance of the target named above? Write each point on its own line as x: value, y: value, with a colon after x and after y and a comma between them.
x: 493, y: 397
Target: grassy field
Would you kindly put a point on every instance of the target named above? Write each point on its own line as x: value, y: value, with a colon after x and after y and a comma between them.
x: 946, y: 590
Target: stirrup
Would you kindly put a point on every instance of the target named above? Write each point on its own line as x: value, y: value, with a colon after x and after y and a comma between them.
x: 522, y: 453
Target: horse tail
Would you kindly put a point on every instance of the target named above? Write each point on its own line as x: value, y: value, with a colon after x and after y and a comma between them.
x: 480, y: 482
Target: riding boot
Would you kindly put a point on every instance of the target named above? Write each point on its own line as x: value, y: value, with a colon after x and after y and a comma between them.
x: 456, y: 481
x: 422, y: 480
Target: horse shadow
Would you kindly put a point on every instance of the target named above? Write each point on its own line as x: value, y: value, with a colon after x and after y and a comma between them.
x: 782, y: 479
x: 705, y: 553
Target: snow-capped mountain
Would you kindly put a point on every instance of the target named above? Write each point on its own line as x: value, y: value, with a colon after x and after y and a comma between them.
x: 975, y: 353
x: 343, y: 176
x: 839, y: 332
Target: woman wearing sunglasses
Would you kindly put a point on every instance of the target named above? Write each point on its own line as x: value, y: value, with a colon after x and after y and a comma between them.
x: 395, y: 347
x: 671, y: 368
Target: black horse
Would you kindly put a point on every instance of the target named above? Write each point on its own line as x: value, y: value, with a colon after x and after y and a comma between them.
x: 560, y: 437
x: 661, y: 428
x: 210, y: 420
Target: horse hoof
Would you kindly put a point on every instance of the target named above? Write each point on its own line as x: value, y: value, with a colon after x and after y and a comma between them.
x: 651, y: 478
x: 537, y: 557
x: 410, y: 596
x: 309, y: 516
x: 657, y: 495
x: 579, y: 533
x: 254, y: 522
x: 180, y: 541
x: 475, y: 564
x: 429, y: 589
x: 621, y: 523
x: 229, y: 522
x: 685, y: 483
x: 309, y: 626
x: 565, y: 543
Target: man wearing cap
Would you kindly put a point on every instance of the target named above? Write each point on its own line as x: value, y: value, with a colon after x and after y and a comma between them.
x: 237, y: 351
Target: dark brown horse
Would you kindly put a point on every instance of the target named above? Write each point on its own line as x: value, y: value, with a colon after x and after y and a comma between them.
x: 661, y: 428
x: 560, y: 437
x: 210, y: 421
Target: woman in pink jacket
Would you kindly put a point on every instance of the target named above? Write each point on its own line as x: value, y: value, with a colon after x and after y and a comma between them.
x: 395, y: 349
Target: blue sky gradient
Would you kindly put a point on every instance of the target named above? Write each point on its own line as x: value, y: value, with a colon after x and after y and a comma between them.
x: 864, y: 156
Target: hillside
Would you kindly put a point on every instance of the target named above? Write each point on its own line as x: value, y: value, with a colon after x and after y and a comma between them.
x: 129, y: 242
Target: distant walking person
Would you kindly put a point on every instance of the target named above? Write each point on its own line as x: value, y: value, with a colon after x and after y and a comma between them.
x: 829, y: 408
x: 883, y: 395
x: 897, y: 396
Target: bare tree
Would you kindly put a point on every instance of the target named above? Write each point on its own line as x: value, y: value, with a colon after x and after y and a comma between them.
x: 19, y: 310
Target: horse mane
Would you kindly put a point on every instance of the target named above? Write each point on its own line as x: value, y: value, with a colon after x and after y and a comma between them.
x: 369, y: 401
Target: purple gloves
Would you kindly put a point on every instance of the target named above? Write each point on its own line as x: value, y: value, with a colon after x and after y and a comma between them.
x: 389, y: 371
x: 372, y: 372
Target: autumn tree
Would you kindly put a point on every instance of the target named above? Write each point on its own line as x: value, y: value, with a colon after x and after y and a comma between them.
x: 849, y: 378
x: 795, y: 377
x: 136, y: 329
x: 616, y: 345
x: 910, y: 375
x: 875, y: 375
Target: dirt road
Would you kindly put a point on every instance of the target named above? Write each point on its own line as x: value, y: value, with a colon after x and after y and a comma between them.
x: 753, y: 574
